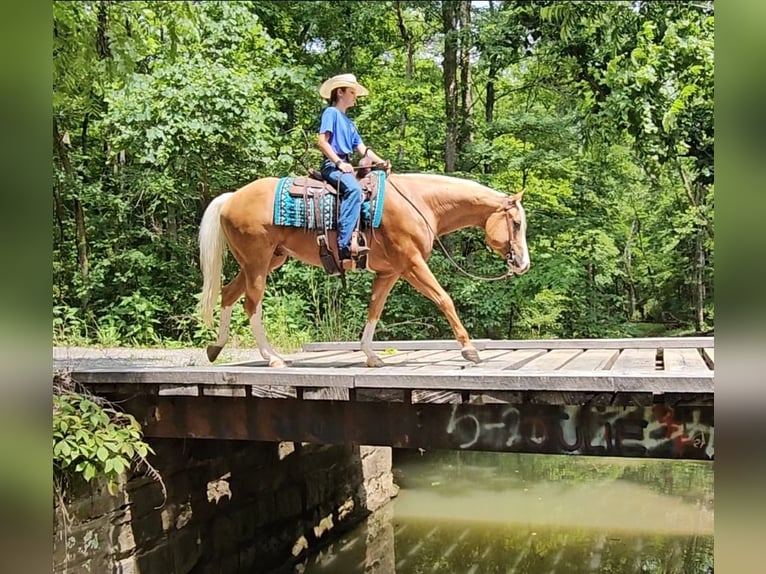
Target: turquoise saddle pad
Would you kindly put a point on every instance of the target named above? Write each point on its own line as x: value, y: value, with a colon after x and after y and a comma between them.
x: 292, y: 211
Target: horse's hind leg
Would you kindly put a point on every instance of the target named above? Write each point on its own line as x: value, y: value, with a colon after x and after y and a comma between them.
x: 230, y: 293
x: 254, y: 309
x: 422, y: 279
x: 381, y: 287
x: 256, y: 324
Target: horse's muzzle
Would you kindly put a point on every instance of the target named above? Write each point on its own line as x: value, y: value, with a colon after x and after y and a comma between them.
x: 513, y: 266
x: 510, y: 261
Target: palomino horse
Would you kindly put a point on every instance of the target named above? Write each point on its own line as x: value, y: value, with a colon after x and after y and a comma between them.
x: 418, y: 209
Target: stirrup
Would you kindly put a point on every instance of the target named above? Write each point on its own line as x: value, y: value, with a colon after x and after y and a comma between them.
x: 357, y: 249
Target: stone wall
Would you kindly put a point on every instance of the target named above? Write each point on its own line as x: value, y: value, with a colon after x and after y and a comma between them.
x: 231, y: 506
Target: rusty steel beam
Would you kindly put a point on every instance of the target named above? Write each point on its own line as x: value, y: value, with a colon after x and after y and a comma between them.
x: 654, y: 431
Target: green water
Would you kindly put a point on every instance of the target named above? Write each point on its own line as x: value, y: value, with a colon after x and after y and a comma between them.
x: 473, y: 513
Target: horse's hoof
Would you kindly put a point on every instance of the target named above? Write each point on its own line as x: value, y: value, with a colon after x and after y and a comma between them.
x: 374, y: 361
x: 277, y: 363
x: 213, y: 351
x: 471, y: 354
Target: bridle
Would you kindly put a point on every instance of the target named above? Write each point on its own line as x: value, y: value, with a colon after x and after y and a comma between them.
x: 510, y: 258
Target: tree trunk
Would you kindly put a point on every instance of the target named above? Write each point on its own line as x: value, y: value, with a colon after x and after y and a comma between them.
x: 449, y: 65
x: 489, y: 105
x: 82, y: 245
x: 465, y: 131
x: 699, y: 282
x: 629, y: 283
x: 408, y: 72
x: 102, y: 42
x: 79, y: 216
x: 63, y: 155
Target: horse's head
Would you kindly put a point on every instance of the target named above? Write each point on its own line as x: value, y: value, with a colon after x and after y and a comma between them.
x: 506, y: 233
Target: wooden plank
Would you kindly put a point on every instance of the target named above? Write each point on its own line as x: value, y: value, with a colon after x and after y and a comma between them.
x: 273, y: 392
x: 592, y: 360
x: 637, y: 343
x: 550, y: 361
x: 224, y: 391
x: 304, y: 356
x: 380, y: 395
x: 355, y: 357
x: 179, y: 391
x: 495, y: 397
x: 439, y: 397
x: 424, y: 345
x: 289, y: 358
x: 258, y: 363
x: 710, y: 353
x: 290, y: 376
x: 326, y: 394
x: 683, y: 360
x: 411, y: 357
x: 454, y: 360
x: 442, y: 356
x: 512, y: 359
x: 643, y: 359
x: 566, y: 398
x: 479, y: 379
x: 480, y: 344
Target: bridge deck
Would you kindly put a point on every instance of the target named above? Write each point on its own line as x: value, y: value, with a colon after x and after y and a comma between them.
x: 614, y: 397
x: 656, y: 365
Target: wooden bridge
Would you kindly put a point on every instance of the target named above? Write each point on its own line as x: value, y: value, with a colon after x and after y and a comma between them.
x: 614, y: 397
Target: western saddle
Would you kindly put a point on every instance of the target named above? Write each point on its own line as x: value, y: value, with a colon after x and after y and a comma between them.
x: 313, y: 186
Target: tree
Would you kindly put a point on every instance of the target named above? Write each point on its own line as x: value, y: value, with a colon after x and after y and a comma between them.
x: 449, y: 65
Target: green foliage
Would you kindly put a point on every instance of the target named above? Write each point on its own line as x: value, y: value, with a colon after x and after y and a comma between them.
x: 286, y: 321
x: 92, y: 440
x: 68, y: 327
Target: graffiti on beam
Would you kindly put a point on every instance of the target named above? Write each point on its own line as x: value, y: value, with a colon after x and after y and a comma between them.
x: 654, y: 431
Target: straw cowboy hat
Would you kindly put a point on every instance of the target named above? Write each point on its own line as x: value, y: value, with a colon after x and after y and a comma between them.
x: 342, y: 81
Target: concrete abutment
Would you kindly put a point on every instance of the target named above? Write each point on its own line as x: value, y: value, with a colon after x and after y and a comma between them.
x: 231, y: 506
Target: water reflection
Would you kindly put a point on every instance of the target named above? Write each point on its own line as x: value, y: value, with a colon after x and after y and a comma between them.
x: 476, y: 512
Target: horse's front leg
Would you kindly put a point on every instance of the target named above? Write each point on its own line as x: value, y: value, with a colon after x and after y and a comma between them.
x: 422, y: 279
x: 381, y: 287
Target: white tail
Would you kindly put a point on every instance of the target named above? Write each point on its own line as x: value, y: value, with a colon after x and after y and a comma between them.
x: 212, y: 250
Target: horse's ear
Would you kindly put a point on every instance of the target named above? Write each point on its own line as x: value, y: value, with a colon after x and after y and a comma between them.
x: 519, y: 195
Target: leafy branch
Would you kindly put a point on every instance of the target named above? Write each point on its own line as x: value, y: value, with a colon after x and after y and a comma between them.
x: 94, y: 440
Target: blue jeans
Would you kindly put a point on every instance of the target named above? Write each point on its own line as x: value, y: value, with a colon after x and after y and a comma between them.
x: 350, y: 196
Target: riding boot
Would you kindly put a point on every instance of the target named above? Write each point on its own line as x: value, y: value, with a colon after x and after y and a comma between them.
x: 348, y: 253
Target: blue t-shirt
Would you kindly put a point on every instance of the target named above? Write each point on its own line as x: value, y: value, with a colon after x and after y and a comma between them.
x: 344, y: 137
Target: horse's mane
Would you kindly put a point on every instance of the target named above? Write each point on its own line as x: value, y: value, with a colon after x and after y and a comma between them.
x: 449, y: 180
